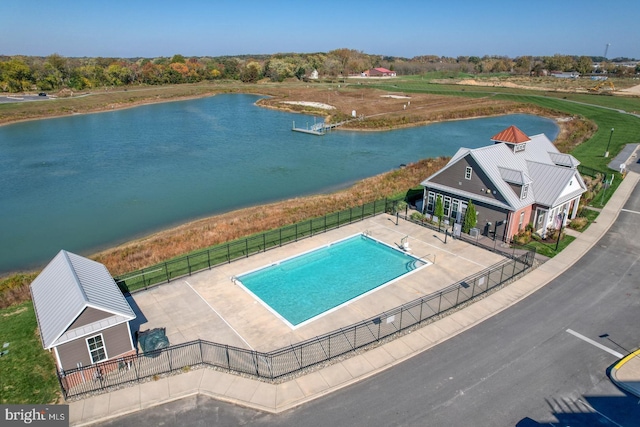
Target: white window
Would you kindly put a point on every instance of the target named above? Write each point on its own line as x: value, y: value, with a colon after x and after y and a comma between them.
x: 431, y: 199
x: 96, y: 348
x: 455, y: 208
x: 467, y: 173
x: 447, y: 206
x: 521, y: 221
x: 525, y: 191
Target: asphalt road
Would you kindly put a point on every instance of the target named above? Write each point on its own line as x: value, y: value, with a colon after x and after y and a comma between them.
x: 520, y: 368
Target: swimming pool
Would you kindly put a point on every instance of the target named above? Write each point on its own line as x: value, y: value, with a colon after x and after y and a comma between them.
x: 304, y: 287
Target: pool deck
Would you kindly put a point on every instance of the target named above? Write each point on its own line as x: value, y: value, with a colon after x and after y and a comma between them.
x: 209, y: 306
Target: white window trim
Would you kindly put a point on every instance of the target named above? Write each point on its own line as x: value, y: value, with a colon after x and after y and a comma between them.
x: 456, y: 210
x: 468, y: 172
x: 446, y: 200
x: 430, y: 195
x: 525, y: 191
x: 521, y: 221
x: 104, y: 347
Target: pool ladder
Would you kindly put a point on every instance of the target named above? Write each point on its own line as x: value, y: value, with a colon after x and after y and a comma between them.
x: 234, y: 279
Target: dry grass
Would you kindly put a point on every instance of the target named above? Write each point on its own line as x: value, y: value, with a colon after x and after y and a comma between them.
x: 233, y: 225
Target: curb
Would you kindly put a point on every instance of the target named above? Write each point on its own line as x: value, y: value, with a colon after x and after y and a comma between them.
x: 613, y: 374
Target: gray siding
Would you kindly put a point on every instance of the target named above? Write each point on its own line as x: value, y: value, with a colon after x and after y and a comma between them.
x: 116, y: 340
x: 454, y: 177
x: 89, y: 315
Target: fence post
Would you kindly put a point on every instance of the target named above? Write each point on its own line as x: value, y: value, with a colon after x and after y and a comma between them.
x: 280, y: 229
x: 362, y: 214
x: 264, y: 242
x: 209, y: 258
x: 228, y: 359
x: 458, y: 295
x: 296, y: 231
x: 200, y: 347
x: 311, y: 227
x: 188, y: 265
x: 246, y: 247
x: 166, y: 272
x: 228, y: 254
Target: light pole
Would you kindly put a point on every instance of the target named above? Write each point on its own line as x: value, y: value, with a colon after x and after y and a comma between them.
x: 564, y: 213
x: 606, y: 154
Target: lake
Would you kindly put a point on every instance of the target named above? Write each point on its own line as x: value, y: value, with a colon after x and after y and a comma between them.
x: 86, y: 182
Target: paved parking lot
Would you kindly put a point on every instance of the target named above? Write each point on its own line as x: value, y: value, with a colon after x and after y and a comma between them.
x: 209, y: 306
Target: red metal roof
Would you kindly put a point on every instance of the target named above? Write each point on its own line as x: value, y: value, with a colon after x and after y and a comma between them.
x: 383, y: 70
x: 511, y: 135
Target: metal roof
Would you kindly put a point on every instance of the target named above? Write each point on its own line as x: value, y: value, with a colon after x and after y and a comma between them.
x: 503, y: 166
x: 69, y: 284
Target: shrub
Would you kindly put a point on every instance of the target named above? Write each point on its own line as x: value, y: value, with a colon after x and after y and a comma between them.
x: 578, y: 223
x: 417, y: 216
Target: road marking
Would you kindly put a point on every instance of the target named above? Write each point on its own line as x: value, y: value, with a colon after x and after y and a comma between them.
x: 630, y: 211
x: 223, y: 319
x: 597, y: 344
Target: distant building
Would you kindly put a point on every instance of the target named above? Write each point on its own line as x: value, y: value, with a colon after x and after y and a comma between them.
x: 378, y: 72
x: 562, y: 75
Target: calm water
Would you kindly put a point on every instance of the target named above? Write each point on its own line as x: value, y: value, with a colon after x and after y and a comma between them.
x: 86, y: 182
x: 311, y: 284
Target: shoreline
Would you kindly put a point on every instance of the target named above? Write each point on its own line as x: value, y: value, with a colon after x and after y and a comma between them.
x: 206, y: 222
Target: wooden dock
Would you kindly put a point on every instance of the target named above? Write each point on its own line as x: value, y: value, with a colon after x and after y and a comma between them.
x: 317, y: 128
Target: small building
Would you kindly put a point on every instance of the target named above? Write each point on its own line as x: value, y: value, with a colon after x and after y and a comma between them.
x: 379, y: 72
x: 82, y: 315
x: 518, y: 180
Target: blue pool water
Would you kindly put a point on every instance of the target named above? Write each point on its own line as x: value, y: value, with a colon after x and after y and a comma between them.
x: 301, y: 288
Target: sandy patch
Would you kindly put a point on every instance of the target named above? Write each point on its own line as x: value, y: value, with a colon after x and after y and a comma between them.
x: 634, y: 90
x: 311, y: 104
x: 395, y: 96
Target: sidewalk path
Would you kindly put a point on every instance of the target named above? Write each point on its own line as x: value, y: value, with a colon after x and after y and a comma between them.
x: 276, y: 398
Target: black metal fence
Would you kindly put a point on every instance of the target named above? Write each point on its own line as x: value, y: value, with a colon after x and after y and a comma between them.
x: 593, y: 173
x: 278, y: 363
x: 225, y: 253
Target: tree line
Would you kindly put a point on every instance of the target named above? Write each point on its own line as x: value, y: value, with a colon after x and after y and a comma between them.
x: 56, y: 72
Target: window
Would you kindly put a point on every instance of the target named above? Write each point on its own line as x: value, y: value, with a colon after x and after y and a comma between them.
x: 431, y: 200
x: 447, y: 206
x: 521, y: 221
x: 467, y: 173
x: 455, y: 208
x: 525, y: 191
x: 96, y: 348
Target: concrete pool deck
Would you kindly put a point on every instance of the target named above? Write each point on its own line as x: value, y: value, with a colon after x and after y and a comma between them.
x: 209, y: 306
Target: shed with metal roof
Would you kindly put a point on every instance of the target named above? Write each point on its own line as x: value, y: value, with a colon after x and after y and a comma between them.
x: 83, y: 317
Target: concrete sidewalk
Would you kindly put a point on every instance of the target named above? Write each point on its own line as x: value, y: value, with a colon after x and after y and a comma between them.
x: 276, y: 398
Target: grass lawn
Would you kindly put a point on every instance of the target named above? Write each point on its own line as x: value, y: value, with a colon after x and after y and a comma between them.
x: 27, y: 372
x: 549, y: 249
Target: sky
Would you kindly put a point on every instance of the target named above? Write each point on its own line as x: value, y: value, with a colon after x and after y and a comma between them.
x: 402, y: 28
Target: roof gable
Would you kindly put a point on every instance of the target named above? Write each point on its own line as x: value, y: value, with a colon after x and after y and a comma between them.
x: 66, y: 286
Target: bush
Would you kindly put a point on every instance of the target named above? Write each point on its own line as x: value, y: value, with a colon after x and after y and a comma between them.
x: 417, y: 216
x: 578, y: 223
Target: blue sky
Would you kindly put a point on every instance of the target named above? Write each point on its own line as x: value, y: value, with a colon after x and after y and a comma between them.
x: 141, y: 28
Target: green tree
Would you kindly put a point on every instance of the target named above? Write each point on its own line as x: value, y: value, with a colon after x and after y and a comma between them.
x: 470, y: 218
x: 438, y: 211
x: 584, y: 65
